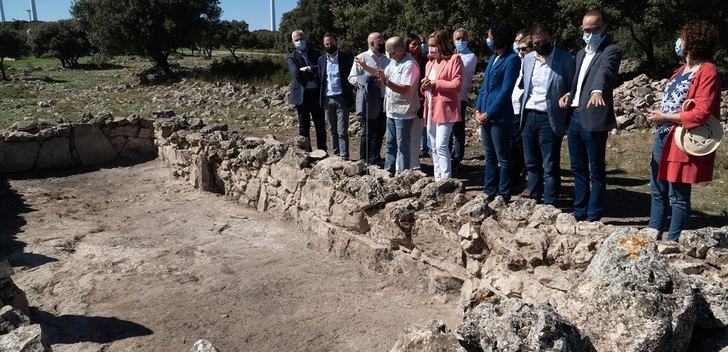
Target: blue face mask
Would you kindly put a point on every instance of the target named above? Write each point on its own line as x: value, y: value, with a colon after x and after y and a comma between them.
x: 516, y: 47
x: 423, y: 48
x: 678, y: 47
x: 461, y: 46
x: 489, y: 43
x: 300, y: 44
x: 593, y: 39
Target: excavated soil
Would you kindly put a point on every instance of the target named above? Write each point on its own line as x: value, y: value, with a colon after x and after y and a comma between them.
x: 128, y: 259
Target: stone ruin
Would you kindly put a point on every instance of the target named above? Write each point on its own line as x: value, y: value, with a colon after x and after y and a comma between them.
x: 528, y: 276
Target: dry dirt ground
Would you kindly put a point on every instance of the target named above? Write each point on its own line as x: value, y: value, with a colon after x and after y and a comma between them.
x: 128, y: 259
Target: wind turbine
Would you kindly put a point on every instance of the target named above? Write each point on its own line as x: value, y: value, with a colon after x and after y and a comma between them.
x: 273, y: 15
x: 2, y: 11
x: 34, y: 11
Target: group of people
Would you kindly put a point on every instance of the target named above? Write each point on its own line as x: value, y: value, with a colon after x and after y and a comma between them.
x: 533, y: 94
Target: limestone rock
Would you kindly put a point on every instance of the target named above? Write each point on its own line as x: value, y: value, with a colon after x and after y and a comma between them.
x: 712, y: 298
x: 432, y: 238
x: 18, y: 156
x: 11, y: 319
x: 668, y: 247
x: 630, y: 299
x: 12, y: 295
x: 696, y: 243
x: 718, y: 256
x: 435, y: 337
x: 91, y: 146
x: 54, y: 153
x: 24, y: 339
x: 475, y: 210
x: 532, y: 244
x: 472, y: 241
x: 203, y: 346
x: 566, y: 224
x: 500, y: 242
x: 318, y: 154
x: 437, y: 189
x: 494, y: 323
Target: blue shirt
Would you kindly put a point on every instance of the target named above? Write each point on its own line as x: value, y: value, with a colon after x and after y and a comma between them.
x: 333, y: 77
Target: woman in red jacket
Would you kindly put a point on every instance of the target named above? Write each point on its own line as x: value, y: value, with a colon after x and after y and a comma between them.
x: 441, y: 88
x: 673, y: 170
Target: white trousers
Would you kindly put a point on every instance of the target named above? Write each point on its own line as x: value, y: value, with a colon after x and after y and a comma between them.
x: 439, y: 136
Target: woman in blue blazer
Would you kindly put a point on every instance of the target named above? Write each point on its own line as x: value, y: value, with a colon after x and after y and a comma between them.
x: 494, y: 110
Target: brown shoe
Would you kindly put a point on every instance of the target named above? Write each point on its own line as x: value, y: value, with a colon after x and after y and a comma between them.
x: 524, y: 194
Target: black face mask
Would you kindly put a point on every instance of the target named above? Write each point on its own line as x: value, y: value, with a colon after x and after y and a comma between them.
x: 331, y: 49
x: 380, y: 48
x: 544, y: 49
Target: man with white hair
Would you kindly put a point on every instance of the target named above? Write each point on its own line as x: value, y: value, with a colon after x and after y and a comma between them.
x: 370, y: 99
x: 304, y: 91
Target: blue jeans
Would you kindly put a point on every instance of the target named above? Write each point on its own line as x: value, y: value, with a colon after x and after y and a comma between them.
x: 665, y: 194
x: 587, y: 152
x: 398, y: 144
x: 496, y: 138
x: 542, y: 153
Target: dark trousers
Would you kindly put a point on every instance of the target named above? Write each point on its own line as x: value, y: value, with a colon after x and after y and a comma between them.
x: 372, y: 137
x: 587, y: 152
x: 542, y: 152
x: 518, y: 165
x: 309, y: 110
x: 496, y: 147
x: 457, y: 139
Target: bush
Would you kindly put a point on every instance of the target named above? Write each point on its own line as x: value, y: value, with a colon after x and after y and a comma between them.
x: 249, y: 69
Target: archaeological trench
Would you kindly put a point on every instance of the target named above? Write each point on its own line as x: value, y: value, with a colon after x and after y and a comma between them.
x: 528, y: 277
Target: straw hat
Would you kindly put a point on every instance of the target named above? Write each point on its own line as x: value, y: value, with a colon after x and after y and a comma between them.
x: 701, y: 140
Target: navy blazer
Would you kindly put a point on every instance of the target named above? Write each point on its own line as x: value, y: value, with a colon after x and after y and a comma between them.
x: 498, y: 82
x: 300, y: 79
x: 345, y: 63
x: 562, y: 74
x: 601, y: 75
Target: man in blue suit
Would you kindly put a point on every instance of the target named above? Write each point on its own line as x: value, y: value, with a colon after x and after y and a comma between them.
x: 547, y: 76
x: 304, y: 91
x: 336, y: 93
x: 591, y: 107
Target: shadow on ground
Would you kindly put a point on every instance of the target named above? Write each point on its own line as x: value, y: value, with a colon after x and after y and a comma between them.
x: 69, y: 329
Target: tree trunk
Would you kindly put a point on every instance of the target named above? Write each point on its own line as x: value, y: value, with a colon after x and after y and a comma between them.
x: 2, y: 68
x: 163, y: 64
x: 647, y: 48
x: 232, y: 51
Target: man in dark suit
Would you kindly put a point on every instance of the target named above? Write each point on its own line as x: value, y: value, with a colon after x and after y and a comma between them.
x: 547, y: 75
x: 304, y: 93
x: 336, y: 93
x: 590, y: 105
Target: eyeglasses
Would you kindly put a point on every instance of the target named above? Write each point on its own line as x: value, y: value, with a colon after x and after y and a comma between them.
x: 591, y: 30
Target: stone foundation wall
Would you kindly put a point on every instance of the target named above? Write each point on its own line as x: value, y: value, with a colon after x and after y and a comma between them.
x: 527, y: 275
x: 32, y: 145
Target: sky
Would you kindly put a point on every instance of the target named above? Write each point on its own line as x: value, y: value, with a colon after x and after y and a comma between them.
x: 255, y: 12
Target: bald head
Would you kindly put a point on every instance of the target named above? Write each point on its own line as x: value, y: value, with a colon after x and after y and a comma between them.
x: 375, y: 41
x: 396, y: 48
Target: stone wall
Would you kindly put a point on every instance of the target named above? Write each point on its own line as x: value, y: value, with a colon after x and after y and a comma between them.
x: 31, y: 145
x: 507, y: 256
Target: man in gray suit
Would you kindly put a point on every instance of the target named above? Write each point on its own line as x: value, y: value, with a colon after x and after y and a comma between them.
x: 547, y: 76
x: 591, y: 107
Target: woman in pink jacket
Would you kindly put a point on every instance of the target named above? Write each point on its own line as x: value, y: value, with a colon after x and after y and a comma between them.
x: 441, y: 88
